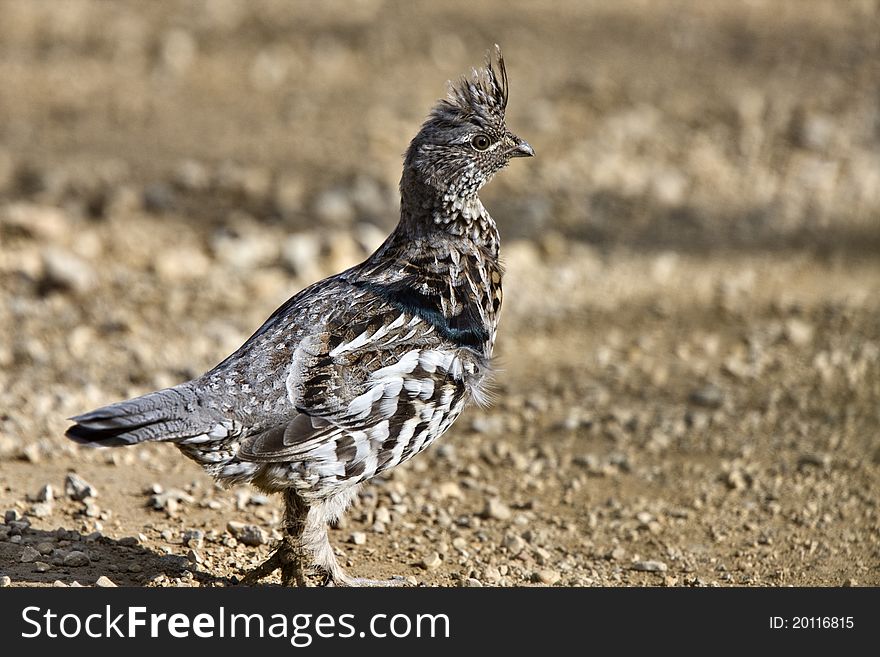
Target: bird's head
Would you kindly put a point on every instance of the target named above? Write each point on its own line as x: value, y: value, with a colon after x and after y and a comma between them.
x: 465, y: 140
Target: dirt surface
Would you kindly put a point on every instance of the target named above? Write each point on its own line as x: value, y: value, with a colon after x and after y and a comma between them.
x: 689, y: 355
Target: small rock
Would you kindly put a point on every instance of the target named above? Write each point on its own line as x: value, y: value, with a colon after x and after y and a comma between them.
x: 46, y: 494
x: 431, y: 561
x: 547, y: 576
x: 449, y: 489
x: 192, y: 176
x: 58, y: 584
x: 66, y: 271
x: 5, y: 580
x: 472, y: 582
x: 29, y: 554
x: 514, y: 544
x: 135, y: 568
x: 41, y: 566
x: 822, y: 461
x: 128, y: 541
x: 45, y: 547
x: 178, y: 263
x: 618, y: 553
x: 798, y: 332
x: 11, y: 515
x: 246, y: 534
x: 496, y: 509
x: 194, y: 538
x: 105, y: 581
x: 358, y: 538
x: 76, y: 559
x: 650, y: 566
x: 170, y: 500
x: 737, y: 479
x: 41, y: 509
x: 709, y: 396
x: 491, y: 574
x: 77, y: 488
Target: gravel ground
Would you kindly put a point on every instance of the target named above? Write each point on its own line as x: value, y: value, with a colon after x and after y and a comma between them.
x: 689, y: 356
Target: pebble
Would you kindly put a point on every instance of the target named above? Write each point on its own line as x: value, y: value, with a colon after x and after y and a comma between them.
x: 41, y: 566
x: 11, y: 515
x: 41, y: 509
x: 66, y: 271
x: 383, y: 515
x: 547, y: 576
x: 5, y: 580
x: 798, y: 332
x: 472, y: 582
x: 449, y: 489
x: 170, y: 500
x: 491, y: 574
x: 77, y: 488
x: 246, y: 534
x: 29, y: 554
x: 496, y: 509
x: 76, y: 559
x: 431, y: 561
x: 194, y: 538
x: 46, y: 494
x: 358, y: 538
x: 104, y: 581
x: 514, y: 544
x: 709, y: 396
x: 650, y: 566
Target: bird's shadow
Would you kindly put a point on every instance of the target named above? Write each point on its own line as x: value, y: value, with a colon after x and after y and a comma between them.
x: 123, y: 561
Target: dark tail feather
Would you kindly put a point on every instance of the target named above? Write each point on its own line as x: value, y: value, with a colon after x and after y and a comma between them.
x: 163, y: 415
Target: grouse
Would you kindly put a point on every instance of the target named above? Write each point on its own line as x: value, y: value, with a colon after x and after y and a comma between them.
x: 361, y: 371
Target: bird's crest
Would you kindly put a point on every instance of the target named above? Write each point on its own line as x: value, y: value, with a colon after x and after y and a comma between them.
x: 483, y: 94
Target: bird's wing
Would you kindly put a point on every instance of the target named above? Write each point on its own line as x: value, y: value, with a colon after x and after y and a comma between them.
x: 359, y: 389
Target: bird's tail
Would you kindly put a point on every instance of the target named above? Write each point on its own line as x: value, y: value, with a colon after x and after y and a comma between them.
x: 163, y: 415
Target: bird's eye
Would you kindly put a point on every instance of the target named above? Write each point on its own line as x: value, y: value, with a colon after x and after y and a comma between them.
x: 480, y: 142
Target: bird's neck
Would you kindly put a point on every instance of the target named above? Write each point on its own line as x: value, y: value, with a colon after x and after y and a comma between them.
x: 451, y: 213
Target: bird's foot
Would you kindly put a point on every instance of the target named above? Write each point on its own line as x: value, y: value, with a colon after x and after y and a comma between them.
x: 285, y: 558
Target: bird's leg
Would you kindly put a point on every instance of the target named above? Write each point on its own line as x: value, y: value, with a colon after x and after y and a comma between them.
x: 290, y: 555
x: 317, y: 542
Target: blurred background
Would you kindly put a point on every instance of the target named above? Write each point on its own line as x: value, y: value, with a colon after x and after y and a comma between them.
x: 690, y: 340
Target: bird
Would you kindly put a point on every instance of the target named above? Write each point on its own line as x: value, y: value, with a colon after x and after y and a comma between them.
x: 363, y: 370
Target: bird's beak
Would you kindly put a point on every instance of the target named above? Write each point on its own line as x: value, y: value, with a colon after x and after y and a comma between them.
x: 521, y: 149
